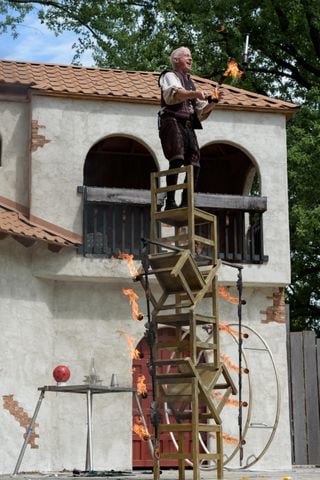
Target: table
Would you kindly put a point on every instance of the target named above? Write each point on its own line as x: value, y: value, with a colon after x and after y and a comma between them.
x: 86, y: 389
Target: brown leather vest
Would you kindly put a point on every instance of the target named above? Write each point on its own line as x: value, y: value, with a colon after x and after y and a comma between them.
x: 182, y: 109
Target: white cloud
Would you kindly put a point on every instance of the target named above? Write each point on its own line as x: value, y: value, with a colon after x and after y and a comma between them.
x: 36, y: 43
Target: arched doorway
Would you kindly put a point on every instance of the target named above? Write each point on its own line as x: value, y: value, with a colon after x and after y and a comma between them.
x: 141, y: 456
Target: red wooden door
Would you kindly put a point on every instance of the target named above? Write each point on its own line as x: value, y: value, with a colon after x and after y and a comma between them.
x: 141, y: 454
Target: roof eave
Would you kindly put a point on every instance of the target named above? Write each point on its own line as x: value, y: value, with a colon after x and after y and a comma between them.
x: 288, y: 112
x: 58, y: 245
x: 95, y: 96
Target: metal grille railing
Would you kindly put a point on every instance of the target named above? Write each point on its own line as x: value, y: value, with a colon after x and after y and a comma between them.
x: 112, y: 228
x: 240, y: 236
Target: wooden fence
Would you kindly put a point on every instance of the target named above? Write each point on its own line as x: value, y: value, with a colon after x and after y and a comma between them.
x: 304, y: 394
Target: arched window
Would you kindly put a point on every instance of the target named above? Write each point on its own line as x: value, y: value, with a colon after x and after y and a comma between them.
x: 229, y: 187
x: 225, y: 169
x: 119, y: 162
x: 116, y: 189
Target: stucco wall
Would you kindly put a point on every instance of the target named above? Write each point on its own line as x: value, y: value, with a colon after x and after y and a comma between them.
x: 62, y: 321
x: 262, y: 137
x: 73, y: 126
x: 46, y: 323
x: 265, y: 387
x: 69, y: 128
x: 14, y: 133
x: 64, y: 308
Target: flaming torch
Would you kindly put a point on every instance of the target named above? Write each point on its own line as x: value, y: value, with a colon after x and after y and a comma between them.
x: 232, y: 69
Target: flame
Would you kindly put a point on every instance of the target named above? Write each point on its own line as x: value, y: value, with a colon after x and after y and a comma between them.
x: 136, y: 315
x: 229, y: 363
x: 231, y: 402
x: 233, y: 70
x: 134, y: 352
x: 129, y: 258
x: 223, y: 326
x: 230, y: 439
x: 141, y: 386
x: 227, y: 438
x: 140, y: 430
x: 223, y: 292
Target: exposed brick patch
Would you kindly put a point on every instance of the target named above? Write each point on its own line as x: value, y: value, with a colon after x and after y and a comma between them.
x: 37, y: 140
x: 21, y: 417
x: 277, y: 311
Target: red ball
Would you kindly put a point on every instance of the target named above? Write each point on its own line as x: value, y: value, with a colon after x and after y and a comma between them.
x: 61, y: 373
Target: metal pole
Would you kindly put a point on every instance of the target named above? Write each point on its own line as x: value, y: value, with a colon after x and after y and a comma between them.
x: 174, y: 248
x: 239, y: 286
x: 143, y: 421
x: 151, y: 338
x: 89, y: 460
x: 28, y: 433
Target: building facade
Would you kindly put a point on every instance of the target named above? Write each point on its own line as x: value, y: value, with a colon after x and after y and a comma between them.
x: 77, y: 149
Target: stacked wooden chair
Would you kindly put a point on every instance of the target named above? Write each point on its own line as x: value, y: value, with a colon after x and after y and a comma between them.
x: 188, y: 378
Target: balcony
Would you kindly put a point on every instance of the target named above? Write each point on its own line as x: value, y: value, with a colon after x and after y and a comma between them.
x: 115, y: 220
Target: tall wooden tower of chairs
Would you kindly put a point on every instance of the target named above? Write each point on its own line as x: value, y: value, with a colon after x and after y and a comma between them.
x: 190, y: 381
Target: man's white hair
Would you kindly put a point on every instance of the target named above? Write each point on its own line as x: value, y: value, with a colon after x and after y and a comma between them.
x: 177, y: 53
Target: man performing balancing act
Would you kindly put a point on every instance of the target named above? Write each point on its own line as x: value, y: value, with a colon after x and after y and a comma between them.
x: 182, y: 110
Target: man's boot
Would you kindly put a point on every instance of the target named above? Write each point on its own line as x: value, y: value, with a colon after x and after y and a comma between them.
x: 170, y: 201
x: 184, y: 197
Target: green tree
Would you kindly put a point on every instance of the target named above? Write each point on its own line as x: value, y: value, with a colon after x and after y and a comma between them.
x: 284, y: 60
x: 304, y: 175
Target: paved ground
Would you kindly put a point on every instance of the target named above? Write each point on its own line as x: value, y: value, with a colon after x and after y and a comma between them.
x: 298, y: 473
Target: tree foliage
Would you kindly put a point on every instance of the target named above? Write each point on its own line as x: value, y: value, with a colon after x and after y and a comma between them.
x: 284, y: 60
x: 304, y: 175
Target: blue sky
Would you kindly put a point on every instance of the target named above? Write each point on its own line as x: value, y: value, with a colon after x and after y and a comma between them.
x: 36, y: 43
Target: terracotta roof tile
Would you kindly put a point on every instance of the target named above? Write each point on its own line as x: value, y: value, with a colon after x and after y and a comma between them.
x: 13, y: 222
x: 130, y: 86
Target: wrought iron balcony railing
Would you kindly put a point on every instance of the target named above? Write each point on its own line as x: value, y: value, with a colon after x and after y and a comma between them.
x: 115, y: 220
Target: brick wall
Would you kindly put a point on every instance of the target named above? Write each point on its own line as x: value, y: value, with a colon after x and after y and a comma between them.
x: 21, y: 416
x: 37, y: 140
x: 276, y: 312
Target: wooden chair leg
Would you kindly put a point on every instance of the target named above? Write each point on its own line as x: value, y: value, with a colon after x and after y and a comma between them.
x: 181, y: 464
x: 219, y: 444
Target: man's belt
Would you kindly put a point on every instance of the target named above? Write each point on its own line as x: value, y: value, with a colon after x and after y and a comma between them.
x: 185, y: 122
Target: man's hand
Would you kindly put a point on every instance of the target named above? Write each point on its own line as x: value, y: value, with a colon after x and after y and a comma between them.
x: 182, y: 94
x: 215, y: 96
x: 200, y: 94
